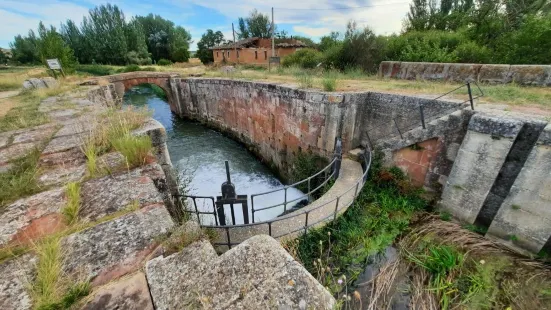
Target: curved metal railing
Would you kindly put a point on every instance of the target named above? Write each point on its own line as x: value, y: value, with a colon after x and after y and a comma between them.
x: 328, y: 172
x: 367, y: 159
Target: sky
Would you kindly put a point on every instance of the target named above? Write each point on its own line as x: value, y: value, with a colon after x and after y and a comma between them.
x: 312, y: 18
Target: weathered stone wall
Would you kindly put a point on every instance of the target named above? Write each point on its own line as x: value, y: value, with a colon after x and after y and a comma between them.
x: 526, y: 211
x: 499, y: 179
x: 537, y: 75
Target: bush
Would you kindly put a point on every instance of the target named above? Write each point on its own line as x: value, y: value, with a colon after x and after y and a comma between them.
x: 426, y: 46
x: 305, y: 58
x: 134, y: 68
x: 470, y: 52
x: 164, y: 62
x: 133, y: 58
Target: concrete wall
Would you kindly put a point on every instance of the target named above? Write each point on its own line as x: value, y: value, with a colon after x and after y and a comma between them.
x: 526, y: 211
x: 536, y: 75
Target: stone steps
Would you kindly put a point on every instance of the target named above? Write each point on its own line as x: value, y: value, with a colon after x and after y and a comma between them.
x: 257, y: 274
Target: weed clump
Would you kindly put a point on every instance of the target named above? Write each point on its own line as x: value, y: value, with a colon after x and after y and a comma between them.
x: 305, y: 80
x: 21, y: 179
x: 72, y: 209
x: 329, y: 82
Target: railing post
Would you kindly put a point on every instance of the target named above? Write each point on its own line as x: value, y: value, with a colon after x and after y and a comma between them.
x: 336, y: 208
x: 309, y: 189
x: 337, y: 158
x: 398, y: 128
x: 252, y: 206
x: 228, y: 237
x: 470, y: 95
x: 270, y: 229
x: 422, y: 116
x: 306, y: 224
x: 196, y: 210
x: 285, y: 200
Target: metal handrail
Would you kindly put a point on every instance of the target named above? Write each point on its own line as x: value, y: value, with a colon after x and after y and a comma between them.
x: 367, y: 161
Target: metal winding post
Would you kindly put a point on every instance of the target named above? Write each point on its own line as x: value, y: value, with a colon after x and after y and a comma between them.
x: 470, y: 95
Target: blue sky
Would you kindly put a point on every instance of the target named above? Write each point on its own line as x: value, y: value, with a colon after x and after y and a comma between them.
x: 306, y: 17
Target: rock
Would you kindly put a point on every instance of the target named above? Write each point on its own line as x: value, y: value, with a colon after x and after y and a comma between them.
x: 128, y: 293
x: 15, y: 151
x: 21, y: 220
x: 71, y: 157
x: 36, y: 135
x: 228, y: 69
x: 112, y: 249
x: 50, y: 82
x: 64, y: 143
x: 63, y: 115
x: 257, y: 274
x: 62, y: 175
x: 15, y: 276
x: 104, y: 196
x: 168, y: 277
x: 34, y: 83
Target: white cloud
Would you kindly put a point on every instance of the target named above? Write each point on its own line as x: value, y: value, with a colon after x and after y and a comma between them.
x: 312, y: 32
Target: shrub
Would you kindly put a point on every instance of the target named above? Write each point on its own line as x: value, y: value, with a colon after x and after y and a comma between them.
x: 305, y: 58
x: 470, y: 52
x: 131, y: 68
x: 134, y: 58
x: 164, y: 62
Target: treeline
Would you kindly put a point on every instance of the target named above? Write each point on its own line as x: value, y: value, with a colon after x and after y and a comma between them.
x: 470, y: 31
x: 105, y: 37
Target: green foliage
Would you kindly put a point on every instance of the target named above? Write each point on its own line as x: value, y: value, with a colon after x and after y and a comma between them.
x: 164, y: 62
x: 304, y: 165
x: 3, y: 58
x: 208, y: 40
x: 305, y: 58
x: 380, y: 213
x: 25, y: 49
x: 134, y: 68
x: 475, y: 228
x: 26, y: 114
x: 21, y: 179
x: 470, y: 52
x: 255, y: 25
x: 164, y: 39
x: 98, y: 70
x: 50, y: 44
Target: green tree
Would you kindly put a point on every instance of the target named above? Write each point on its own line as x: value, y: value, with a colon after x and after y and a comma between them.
x: 24, y: 49
x: 105, y: 32
x: 255, y: 25
x: 208, y: 40
x: 179, y: 44
x: 50, y: 45
x: 135, y: 40
x: 75, y: 40
x: 3, y: 58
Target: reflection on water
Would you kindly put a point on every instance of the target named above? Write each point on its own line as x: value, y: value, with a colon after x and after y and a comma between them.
x: 198, y: 153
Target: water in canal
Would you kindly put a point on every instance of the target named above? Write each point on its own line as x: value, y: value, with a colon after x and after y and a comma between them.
x: 198, y: 153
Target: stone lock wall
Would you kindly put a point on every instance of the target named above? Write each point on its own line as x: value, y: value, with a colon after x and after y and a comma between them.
x: 536, y: 75
x: 493, y: 169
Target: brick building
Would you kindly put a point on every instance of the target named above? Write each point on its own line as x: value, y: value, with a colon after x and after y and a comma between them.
x: 255, y: 50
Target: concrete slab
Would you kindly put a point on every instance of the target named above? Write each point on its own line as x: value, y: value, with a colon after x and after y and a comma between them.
x: 15, y: 276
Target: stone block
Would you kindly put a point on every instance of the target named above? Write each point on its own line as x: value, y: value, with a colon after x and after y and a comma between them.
x: 463, y: 72
x: 34, y: 135
x: 534, y: 75
x: 495, y: 74
x: 526, y: 211
x: 110, y: 194
x: 50, y: 82
x: 389, y: 69
x: 15, y: 151
x: 412, y: 70
x: 15, y: 276
x: 21, y: 219
x: 169, y: 277
x: 257, y: 274
x: 66, y: 143
x: 129, y: 293
x: 436, y: 71
x: 115, y: 248
x: 495, y: 126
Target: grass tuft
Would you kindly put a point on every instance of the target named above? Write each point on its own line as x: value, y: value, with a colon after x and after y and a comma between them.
x: 72, y: 209
x: 305, y: 80
x: 20, y: 180
x: 136, y: 149
x: 329, y: 82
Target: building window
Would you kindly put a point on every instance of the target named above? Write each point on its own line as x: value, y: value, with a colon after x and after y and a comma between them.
x: 217, y: 55
x: 228, y: 54
x: 255, y: 54
x: 265, y: 54
x: 237, y: 54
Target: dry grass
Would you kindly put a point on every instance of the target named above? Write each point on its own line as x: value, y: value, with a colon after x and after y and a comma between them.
x: 72, y: 209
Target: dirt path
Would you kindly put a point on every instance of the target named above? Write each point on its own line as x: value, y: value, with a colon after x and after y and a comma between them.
x: 5, y: 103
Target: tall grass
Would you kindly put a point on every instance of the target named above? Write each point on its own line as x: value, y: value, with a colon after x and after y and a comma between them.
x: 25, y: 113
x: 136, y: 149
x: 305, y: 80
x: 329, y: 81
x: 51, y: 288
x: 21, y: 179
x: 72, y: 208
